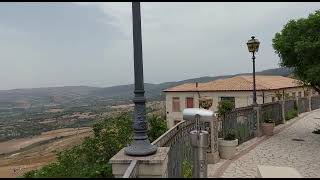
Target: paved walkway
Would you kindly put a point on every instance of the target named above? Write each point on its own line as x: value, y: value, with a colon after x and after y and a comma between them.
x: 277, y: 150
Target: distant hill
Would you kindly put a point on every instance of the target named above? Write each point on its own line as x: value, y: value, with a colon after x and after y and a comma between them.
x: 84, y: 95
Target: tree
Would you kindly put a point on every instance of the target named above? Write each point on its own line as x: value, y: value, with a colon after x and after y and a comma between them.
x: 158, y: 126
x: 298, y: 46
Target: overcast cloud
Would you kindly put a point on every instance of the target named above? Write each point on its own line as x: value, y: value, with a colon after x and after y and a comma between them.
x: 63, y: 44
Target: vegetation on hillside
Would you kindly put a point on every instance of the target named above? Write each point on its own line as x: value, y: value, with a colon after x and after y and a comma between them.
x: 298, y: 46
x: 91, y: 158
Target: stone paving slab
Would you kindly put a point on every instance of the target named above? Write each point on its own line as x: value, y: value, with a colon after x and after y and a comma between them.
x: 277, y: 150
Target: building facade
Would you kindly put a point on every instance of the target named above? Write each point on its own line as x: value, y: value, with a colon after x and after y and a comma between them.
x: 237, y: 89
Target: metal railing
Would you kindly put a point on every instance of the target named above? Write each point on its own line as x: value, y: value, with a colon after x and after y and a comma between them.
x: 272, y: 110
x: 289, y: 105
x: 180, y: 153
x: 303, y: 104
x: 242, y: 120
x: 315, y: 102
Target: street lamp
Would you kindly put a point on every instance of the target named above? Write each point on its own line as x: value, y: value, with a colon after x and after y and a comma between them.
x: 253, y: 46
x: 141, y: 145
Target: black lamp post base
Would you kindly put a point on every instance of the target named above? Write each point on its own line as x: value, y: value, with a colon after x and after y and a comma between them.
x: 140, y: 148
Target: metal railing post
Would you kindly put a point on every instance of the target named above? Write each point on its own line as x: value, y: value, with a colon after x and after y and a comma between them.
x: 199, y: 143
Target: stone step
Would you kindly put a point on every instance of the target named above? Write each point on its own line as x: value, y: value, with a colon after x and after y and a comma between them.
x: 277, y: 172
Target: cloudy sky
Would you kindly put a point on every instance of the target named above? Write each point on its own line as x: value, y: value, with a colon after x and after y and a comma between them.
x: 63, y: 44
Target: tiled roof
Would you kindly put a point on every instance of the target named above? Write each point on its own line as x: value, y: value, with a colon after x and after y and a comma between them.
x: 239, y: 83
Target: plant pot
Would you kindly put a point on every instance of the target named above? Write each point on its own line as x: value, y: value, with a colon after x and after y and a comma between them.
x: 227, y: 148
x: 267, y: 128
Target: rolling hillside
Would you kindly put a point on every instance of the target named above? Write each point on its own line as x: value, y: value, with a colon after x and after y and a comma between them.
x: 84, y: 95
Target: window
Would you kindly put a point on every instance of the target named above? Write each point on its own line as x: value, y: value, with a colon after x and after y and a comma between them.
x: 299, y: 94
x: 232, y: 99
x: 176, y: 104
x: 189, y: 102
x: 273, y: 99
x: 294, y: 94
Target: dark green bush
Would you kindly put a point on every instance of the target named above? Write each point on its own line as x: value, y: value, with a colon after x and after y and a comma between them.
x: 291, y: 114
x: 230, y: 135
x: 158, y: 126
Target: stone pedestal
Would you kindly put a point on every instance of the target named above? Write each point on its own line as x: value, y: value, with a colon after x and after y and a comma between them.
x: 213, y: 155
x: 152, y: 166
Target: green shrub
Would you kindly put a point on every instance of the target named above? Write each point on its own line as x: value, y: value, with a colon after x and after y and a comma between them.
x: 158, y: 126
x: 242, y: 131
x: 224, y: 107
x: 187, y: 169
x: 291, y: 114
x: 230, y: 135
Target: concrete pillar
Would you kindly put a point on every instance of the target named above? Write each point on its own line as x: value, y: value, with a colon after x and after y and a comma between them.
x: 257, y: 109
x: 213, y: 154
x: 152, y: 166
x: 282, y: 102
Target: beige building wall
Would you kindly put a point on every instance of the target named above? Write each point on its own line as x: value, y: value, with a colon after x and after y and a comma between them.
x: 242, y: 99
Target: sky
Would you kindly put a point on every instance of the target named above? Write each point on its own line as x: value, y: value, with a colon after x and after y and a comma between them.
x: 47, y: 44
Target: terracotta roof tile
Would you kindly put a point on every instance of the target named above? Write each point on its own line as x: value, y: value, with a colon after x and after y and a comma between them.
x: 239, y: 83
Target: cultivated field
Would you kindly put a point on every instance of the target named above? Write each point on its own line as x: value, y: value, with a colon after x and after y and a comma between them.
x: 22, y: 155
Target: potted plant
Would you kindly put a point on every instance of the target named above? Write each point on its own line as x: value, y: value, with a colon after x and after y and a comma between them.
x: 205, y: 102
x: 227, y: 145
x: 268, y: 125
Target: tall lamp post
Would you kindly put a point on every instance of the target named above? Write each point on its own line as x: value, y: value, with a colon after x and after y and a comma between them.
x: 253, y: 46
x: 141, y: 145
